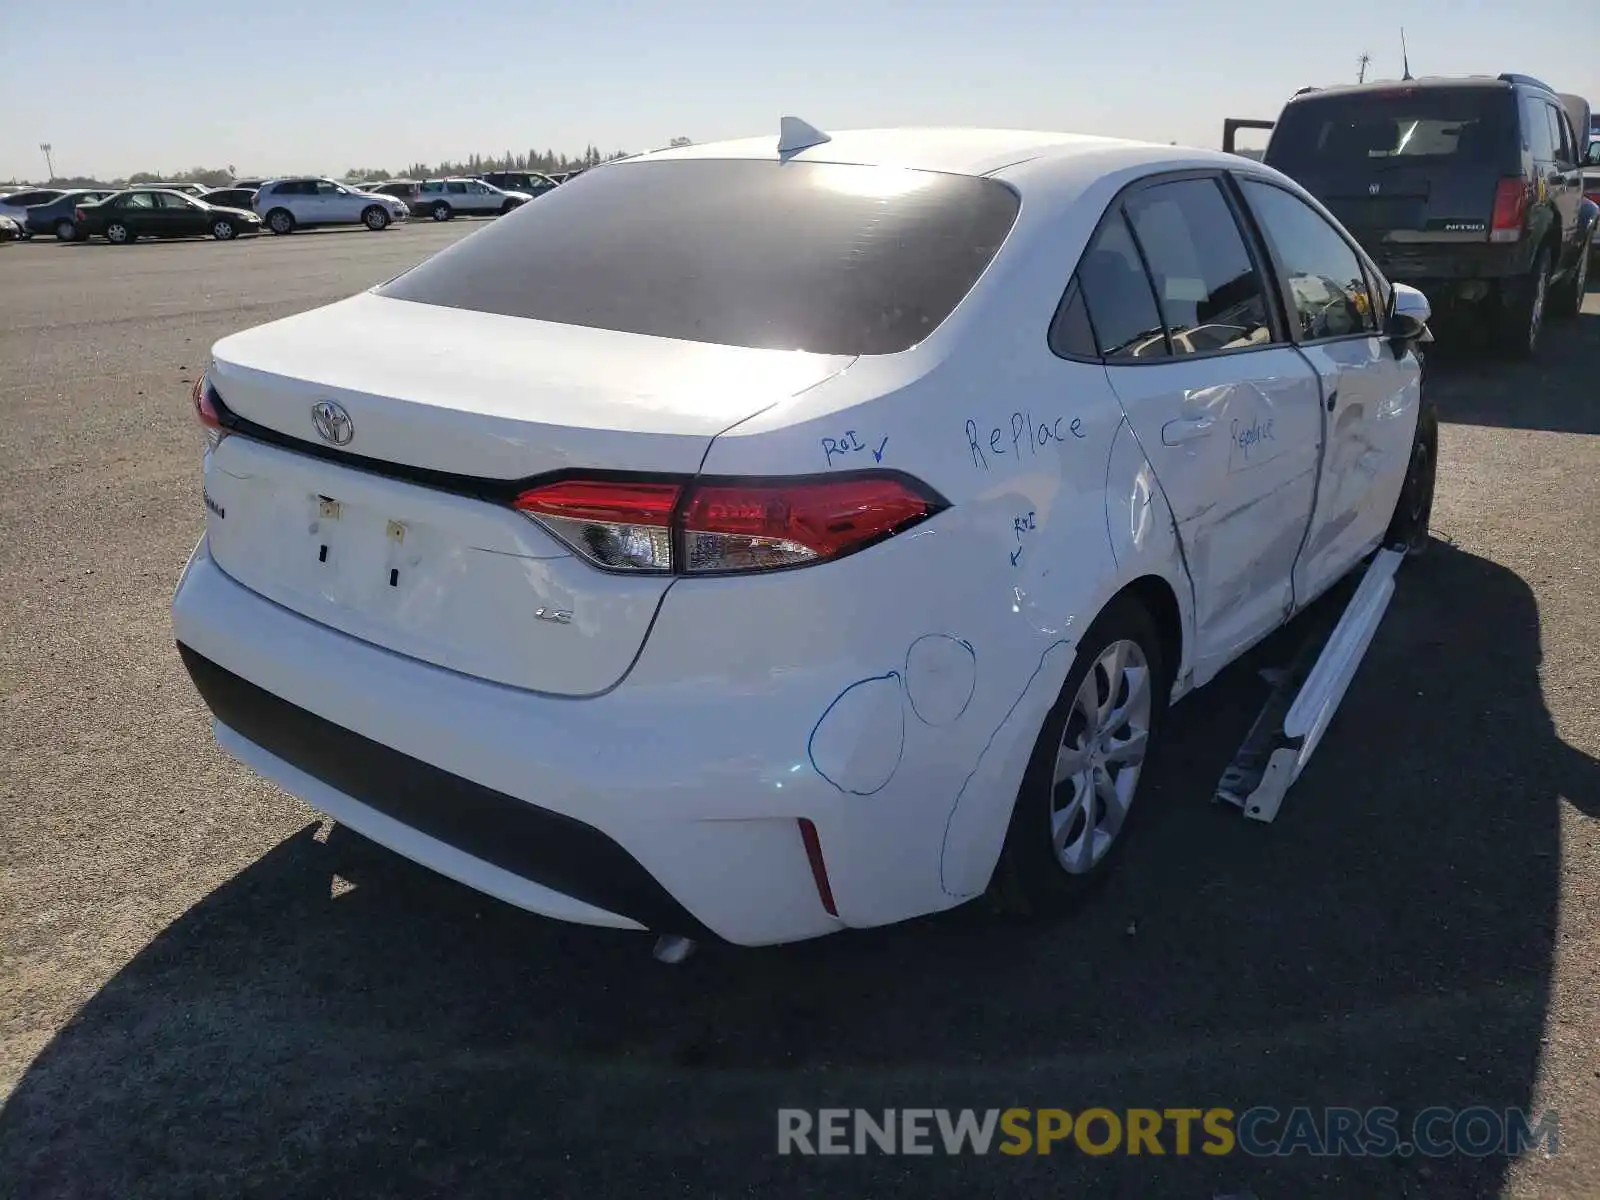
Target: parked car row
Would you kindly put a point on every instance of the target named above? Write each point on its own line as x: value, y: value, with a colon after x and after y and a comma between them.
x: 280, y: 205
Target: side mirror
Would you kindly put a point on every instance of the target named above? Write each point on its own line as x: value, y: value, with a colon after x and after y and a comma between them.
x: 1407, y: 322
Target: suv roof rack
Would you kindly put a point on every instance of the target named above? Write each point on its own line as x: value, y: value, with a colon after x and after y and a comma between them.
x: 1304, y: 90
x: 1525, y: 81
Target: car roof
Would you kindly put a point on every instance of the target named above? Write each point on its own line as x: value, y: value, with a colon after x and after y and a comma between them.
x: 1073, y: 160
x: 1500, y: 83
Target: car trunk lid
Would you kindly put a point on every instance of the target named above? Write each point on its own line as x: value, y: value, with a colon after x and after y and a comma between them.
x: 399, y: 530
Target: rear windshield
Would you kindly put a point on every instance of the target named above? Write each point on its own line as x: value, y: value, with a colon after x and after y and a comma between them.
x: 821, y: 257
x: 1413, y: 125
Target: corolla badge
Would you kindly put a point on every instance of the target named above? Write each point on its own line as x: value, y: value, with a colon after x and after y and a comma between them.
x: 332, y: 422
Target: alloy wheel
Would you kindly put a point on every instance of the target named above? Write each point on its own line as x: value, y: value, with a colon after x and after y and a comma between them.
x: 1100, y: 757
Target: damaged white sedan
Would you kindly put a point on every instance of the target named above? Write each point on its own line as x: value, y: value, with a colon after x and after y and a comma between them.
x: 754, y: 540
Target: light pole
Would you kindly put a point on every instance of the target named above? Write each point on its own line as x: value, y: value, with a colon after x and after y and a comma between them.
x: 49, y: 165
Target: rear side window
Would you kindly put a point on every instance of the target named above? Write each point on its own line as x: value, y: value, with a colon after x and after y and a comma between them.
x: 1327, y: 282
x: 1117, y: 293
x: 822, y: 257
x: 1360, y: 132
x: 1210, y: 295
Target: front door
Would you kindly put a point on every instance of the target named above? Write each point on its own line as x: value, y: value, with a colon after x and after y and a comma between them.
x: 1227, y: 411
x: 1371, y: 398
x: 179, y: 216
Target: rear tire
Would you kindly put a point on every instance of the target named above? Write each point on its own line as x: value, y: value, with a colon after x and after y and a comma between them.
x: 441, y: 211
x: 280, y: 221
x: 1413, y: 509
x: 1066, y: 834
x: 1566, y: 300
x: 375, y: 218
x: 1523, y: 307
x: 66, y: 231
x: 119, y: 233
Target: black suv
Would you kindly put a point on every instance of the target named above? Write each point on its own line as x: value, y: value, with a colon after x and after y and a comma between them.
x: 1468, y: 188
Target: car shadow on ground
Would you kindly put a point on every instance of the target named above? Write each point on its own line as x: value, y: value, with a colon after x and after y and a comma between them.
x: 335, y: 1021
x: 1553, y: 392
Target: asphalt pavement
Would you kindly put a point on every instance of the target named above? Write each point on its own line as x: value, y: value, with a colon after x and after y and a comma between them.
x: 206, y: 991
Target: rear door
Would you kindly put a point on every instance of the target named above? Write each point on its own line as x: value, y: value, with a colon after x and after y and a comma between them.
x: 1226, y: 410
x: 1369, y: 397
x: 1410, y: 171
x: 1565, y: 180
x: 138, y: 210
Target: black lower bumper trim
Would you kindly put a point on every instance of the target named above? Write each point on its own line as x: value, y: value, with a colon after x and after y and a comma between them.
x: 544, y: 847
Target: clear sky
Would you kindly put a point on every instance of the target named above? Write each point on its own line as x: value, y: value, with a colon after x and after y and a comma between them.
x: 323, y: 85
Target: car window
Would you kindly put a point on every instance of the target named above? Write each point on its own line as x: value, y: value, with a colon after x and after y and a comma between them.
x: 1071, y: 335
x: 138, y: 200
x: 1326, y: 279
x: 1120, y: 301
x: 1538, y: 130
x: 456, y: 187
x: 431, y: 189
x: 1560, y: 136
x: 1210, y: 295
x: 1356, y: 134
x: 326, y: 188
x: 175, y: 200
x: 829, y: 258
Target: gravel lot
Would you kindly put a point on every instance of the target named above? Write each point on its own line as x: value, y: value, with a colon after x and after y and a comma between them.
x: 204, y: 991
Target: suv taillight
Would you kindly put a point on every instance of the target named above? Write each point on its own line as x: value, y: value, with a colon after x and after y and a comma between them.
x: 1510, y: 206
x: 716, y: 526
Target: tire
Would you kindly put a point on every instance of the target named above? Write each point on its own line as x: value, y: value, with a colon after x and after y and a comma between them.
x: 1524, y: 301
x: 375, y: 218
x: 506, y: 207
x: 1413, y: 508
x: 280, y: 221
x: 66, y: 231
x: 1566, y: 301
x: 224, y: 231
x: 1032, y: 877
x: 441, y: 211
x: 120, y: 233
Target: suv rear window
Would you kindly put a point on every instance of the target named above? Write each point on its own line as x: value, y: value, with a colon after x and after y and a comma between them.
x: 822, y: 257
x: 1413, y: 125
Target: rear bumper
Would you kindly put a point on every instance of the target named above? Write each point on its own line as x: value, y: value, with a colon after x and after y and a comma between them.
x: 638, y: 811
x: 1420, y: 264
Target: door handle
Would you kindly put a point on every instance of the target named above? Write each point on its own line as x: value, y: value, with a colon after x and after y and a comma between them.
x: 1186, y: 429
x: 1333, y: 398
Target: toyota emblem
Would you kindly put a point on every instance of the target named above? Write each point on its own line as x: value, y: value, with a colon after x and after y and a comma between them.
x: 332, y: 422
x: 1372, y: 189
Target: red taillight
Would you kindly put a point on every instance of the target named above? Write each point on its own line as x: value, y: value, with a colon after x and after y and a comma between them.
x: 625, y: 526
x: 206, y: 412
x: 753, y: 526
x: 1510, y: 205
x: 725, y: 525
x: 77, y: 214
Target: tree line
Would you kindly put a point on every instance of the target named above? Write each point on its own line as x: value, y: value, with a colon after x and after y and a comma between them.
x: 548, y: 162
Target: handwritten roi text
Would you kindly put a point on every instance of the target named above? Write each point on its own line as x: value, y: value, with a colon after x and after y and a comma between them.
x: 1023, y: 431
x: 850, y: 444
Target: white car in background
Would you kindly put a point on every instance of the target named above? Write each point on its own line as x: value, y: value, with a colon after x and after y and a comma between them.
x: 817, y: 558
x: 442, y: 199
x: 289, y: 204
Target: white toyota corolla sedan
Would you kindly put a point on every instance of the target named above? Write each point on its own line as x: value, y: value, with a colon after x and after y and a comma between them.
x: 758, y: 539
